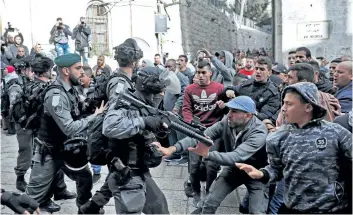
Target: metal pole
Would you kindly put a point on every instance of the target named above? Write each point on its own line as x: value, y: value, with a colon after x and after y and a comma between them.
x: 274, y: 54
x: 30, y: 17
x: 130, y: 5
x: 243, y: 2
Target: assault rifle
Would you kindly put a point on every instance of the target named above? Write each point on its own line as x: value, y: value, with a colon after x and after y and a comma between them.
x: 175, y: 122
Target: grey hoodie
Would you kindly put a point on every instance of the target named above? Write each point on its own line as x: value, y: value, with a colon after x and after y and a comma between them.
x: 311, y: 159
x: 225, y: 70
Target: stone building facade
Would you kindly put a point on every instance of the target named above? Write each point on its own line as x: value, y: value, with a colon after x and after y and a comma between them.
x: 205, y: 25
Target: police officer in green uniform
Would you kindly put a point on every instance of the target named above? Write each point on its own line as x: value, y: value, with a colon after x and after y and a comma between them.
x: 60, y: 122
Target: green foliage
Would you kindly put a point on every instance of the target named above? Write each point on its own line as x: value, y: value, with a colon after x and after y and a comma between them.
x: 254, y: 9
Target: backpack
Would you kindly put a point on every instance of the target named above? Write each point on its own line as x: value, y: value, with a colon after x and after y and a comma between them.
x: 28, y: 111
x: 5, y: 99
x: 34, y: 99
x: 97, y: 143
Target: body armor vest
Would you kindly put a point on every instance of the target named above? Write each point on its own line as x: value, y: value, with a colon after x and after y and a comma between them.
x: 50, y: 133
x: 131, y: 151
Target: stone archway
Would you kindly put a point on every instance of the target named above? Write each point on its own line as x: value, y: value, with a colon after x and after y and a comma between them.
x: 145, y: 47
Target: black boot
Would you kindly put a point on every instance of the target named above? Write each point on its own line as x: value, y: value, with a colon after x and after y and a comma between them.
x: 65, y: 195
x: 49, y: 206
x: 21, y: 184
x: 91, y: 208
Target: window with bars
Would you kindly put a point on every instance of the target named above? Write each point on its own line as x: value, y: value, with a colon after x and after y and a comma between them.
x: 98, y: 21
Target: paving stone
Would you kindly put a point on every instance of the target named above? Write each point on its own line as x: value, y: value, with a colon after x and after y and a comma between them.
x: 169, y: 178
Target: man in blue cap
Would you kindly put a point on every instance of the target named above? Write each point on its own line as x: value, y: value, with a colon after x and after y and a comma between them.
x: 313, y: 156
x: 60, y: 121
x: 244, y: 140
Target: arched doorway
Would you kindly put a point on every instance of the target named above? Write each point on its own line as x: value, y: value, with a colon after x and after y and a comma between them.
x: 97, y: 18
x: 145, y: 47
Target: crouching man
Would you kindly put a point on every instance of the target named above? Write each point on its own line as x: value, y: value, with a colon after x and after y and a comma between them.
x: 313, y: 156
x: 244, y: 140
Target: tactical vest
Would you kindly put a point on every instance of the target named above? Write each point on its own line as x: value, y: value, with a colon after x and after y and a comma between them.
x: 131, y: 151
x: 34, y: 101
x: 5, y: 99
x: 27, y: 106
x: 97, y: 143
x: 50, y: 133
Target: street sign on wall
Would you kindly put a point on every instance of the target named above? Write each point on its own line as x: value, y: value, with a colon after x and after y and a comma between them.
x: 313, y: 30
x: 161, y: 23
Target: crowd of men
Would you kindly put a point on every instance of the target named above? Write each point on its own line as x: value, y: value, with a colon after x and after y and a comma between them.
x: 282, y: 131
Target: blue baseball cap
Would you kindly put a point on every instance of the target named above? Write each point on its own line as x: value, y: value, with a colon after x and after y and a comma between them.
x: 242, y: 103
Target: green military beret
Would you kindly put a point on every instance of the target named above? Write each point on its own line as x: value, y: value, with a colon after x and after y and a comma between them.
x: 67, y: 60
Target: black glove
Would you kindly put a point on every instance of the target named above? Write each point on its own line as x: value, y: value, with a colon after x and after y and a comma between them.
x: 18, y: 203
x: 152, y: 123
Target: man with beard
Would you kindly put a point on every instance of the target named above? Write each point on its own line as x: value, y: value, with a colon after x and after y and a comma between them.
x: 243, y: 135
x: 303, y: 55
x: 249, y: 67
x: 60, y: 121
x: 313, y: 156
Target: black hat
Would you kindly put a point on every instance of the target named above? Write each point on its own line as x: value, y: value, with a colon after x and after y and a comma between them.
x: 280, y: 69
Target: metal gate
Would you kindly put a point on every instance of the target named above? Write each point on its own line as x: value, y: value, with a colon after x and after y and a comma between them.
x: 99, y: 26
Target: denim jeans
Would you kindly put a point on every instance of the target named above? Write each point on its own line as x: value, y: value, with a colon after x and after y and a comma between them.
x: 84, y: 54
x: 61, y: 49
x: 276, y: 201
x: 96, y: 169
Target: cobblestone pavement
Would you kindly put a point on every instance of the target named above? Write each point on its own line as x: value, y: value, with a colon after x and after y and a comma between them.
x: 170, y: 179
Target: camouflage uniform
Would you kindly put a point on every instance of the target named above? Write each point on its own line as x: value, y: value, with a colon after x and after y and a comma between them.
x: 312, y: 160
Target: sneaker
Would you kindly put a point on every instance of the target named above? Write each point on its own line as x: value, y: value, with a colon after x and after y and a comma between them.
x: 95, y: 178
x: 173, y: 158
x: 188, y: 189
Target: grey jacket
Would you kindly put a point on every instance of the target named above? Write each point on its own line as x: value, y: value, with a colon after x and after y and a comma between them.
x: 13, y: 50
x: 226, y: 69
x: 81, y: 35
x: 171, y: 101
x: 247, y: 147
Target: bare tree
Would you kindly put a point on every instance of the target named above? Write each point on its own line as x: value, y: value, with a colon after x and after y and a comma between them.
x: 254, y: 9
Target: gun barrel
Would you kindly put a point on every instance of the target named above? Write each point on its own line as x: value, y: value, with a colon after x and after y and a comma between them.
x: 190, y: 133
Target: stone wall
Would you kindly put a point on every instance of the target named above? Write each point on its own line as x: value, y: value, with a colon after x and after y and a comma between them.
x: 336, y: 37
x: 204, y: 25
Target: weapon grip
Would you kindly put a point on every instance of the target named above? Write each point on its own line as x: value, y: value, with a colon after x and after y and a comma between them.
x: 191, y: 133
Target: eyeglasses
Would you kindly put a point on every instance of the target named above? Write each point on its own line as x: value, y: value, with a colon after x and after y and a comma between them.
x: 168, y: 66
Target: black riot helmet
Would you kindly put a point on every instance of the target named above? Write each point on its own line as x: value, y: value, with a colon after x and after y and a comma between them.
x: 75, y: 153
x: 41, y: 64
x: 127, y: 52
x: 149, y: 81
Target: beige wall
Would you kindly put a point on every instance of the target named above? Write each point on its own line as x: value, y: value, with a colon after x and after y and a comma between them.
x: 337, y: 12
